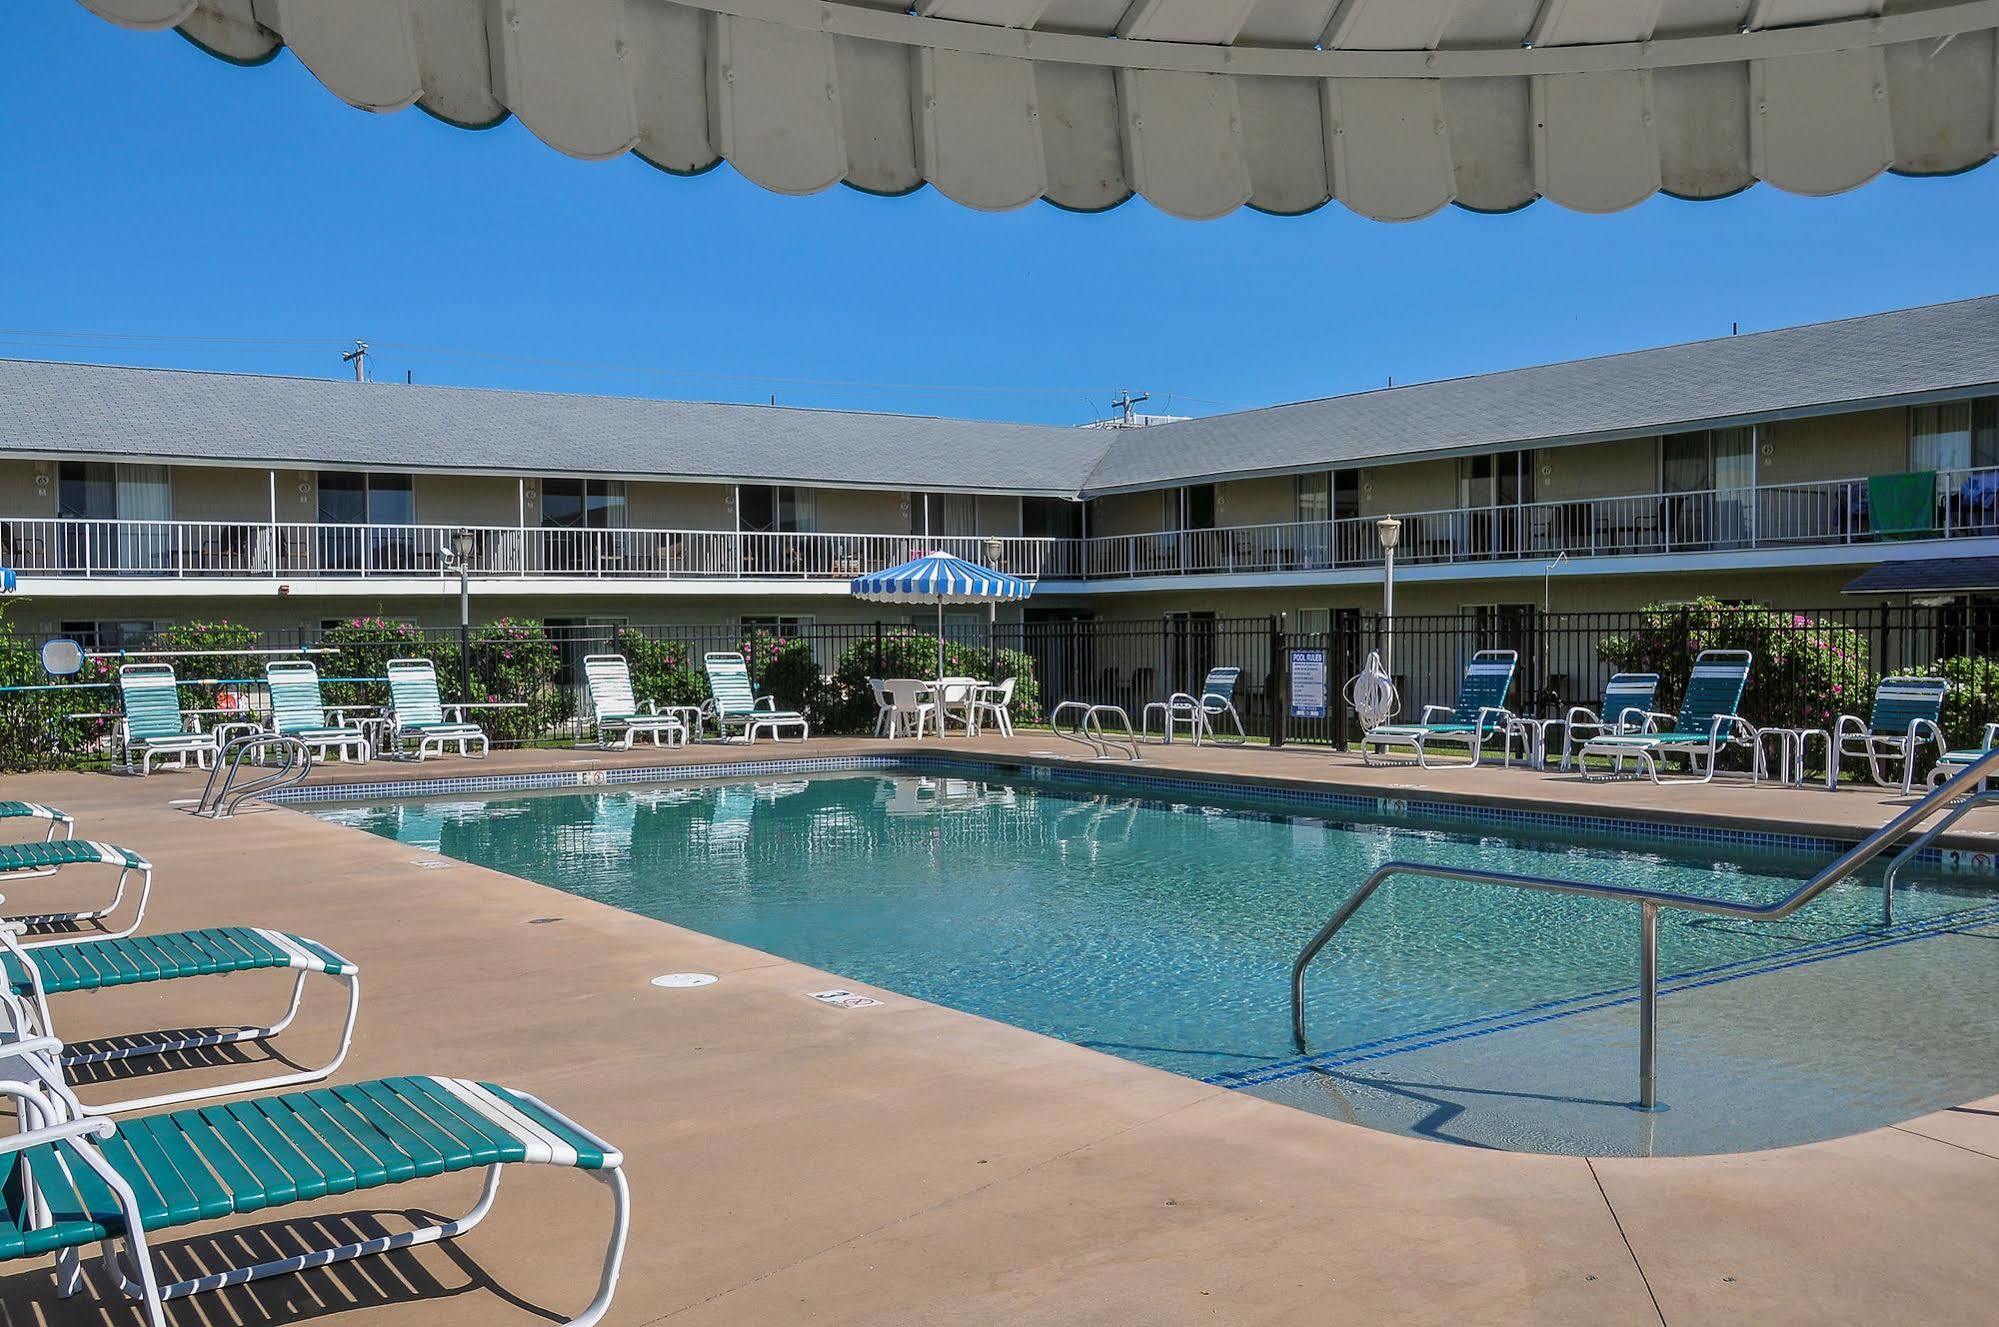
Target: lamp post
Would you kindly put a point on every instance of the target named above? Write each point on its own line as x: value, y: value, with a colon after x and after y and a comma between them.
x: 994, y: 549
x: 1390, y: 532
x: 458, y: 557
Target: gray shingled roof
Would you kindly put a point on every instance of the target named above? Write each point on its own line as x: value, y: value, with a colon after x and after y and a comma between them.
x: 1938, y: 348
x: 89, y: 410
x: 1927, y: 576
x: 93, y: 410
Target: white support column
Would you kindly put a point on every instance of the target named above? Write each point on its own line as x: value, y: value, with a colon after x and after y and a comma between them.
x: 271, y: 532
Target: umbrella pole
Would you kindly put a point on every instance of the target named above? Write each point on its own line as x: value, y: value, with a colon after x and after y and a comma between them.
x: 938, y: 696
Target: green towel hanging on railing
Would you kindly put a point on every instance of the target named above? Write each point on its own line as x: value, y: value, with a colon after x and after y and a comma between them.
x: 1903, y: 506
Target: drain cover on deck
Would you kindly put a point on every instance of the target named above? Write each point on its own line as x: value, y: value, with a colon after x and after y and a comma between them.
x: 673, y: 979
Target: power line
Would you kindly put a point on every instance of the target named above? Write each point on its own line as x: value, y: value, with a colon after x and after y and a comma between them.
x: 84, y: 340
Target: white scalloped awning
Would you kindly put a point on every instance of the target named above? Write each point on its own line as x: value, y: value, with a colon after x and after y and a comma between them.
x: 1393, y: 107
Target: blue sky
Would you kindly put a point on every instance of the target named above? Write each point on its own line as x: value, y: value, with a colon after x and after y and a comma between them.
x: 246, y: 219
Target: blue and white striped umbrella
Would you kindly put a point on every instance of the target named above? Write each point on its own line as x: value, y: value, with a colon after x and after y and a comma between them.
x: 939, y: 578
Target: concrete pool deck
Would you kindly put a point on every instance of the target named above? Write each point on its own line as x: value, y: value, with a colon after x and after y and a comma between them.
x: 908, y: 1164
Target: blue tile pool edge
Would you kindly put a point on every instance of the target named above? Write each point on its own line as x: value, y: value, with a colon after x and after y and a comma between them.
x: 1952, y: 859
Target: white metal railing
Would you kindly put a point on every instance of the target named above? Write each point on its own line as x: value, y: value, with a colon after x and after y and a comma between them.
x: 1771, y: 516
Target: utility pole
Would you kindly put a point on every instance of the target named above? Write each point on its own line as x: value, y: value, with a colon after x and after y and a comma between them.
x: 1125, y: 401
x: 358, y: 357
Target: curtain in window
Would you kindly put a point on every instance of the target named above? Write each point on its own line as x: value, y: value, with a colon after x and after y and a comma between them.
x: 144, y: 494
x: 1315, y: 497
x: 1940, y: 436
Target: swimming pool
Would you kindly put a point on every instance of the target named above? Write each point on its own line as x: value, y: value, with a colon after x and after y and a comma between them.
x: 1163, y: 931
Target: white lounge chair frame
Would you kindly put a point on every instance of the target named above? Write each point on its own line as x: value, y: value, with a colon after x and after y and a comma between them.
x: 761, y: 714
x: 1725, y: 728
x: 35, y: 811
x: 413, y: 698
x: 32, y: 1016
x: 1477, y: 696
x: 297, y: 710
x: 615, y: 710
x: 50, y: 1114
x: 89, y: 853
x: 150, y: 693
x: 1904, y: 717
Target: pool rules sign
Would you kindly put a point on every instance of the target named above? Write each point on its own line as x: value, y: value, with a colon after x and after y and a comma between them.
x: 1308, y: 684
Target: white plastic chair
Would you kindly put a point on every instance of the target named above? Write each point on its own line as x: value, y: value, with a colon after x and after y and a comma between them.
x: 909, y: 703
x: 884, y: 711
x: 993, y: 701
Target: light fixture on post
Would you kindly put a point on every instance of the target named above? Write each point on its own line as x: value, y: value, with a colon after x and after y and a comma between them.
x: 458, y: 557
x: 1389, y: 530
x: 994, y: 550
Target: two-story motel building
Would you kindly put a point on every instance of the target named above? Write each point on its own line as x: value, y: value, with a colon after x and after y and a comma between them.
x: 1771, y: 467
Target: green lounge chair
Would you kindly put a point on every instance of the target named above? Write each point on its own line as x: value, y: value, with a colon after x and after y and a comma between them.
x: 1479, y: 715
x: 1953, y: 762
x: 737, y: 706
x: 1907, y: 712
x: 35, y: 812
x: 154, y: 726
x: 1706, y: 725
x: 18, y: 860
x: 74, y: 1179
x: 1628, y: 699
x: 33, y: 975
x: 297, y: 711
x: 1198, y: 713
x: 618, y: 712
x: 417, y: 715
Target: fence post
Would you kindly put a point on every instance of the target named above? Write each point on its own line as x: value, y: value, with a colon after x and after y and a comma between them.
x: 1278, y: 686
x: 878, y: 648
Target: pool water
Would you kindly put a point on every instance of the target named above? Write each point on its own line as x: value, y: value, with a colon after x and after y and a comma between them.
x: 1164, y: 931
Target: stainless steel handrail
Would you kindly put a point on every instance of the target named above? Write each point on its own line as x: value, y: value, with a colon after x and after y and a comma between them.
x: 1090, y: 732
x: 1921, y: 842
x: 220, y: 804
x: 1649, y: 901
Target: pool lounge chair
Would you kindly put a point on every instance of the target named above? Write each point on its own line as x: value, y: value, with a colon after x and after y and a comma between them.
x: 1706, y: 725
x: 417, y: 716
x: 1908, y: 711
x: 1198, y: 713
x: 34, y: 974
x: 154, y: 726
x: 76, y: 1179
x: 737, y: 706
x: 1479, y: 715
x: 297, y: 711
x: 21, y: 860
x: 1628, y: 699
x: 618, y: 712
x: 1953, y: 762
x: 36, y: 813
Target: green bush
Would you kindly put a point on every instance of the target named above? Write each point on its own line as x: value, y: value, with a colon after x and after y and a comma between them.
x: 516, y: 661
x: 36, y: 731
x: 366, y: 645
x: 1973, y: 698
x: 908, y: 653
x: 1806, y: 672
x: 787, y: 670
x: 663, y: 671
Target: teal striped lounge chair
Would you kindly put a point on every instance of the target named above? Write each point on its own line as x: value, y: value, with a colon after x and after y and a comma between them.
x: 1706, y: 725
x: 1954, y: 761
x: 1908, y: 711
x: 1479, y: 715
x: 73, y: 1180
x: 618, y: 712
x: 1628, y: 699
x: 33, y: 975
x: 36, y: 813
x: 154, y: 728
x: 416, y: 714
x: 1217, y: 700
x: 737, y: 706
x: 297, y: 711
x: 18, y: 860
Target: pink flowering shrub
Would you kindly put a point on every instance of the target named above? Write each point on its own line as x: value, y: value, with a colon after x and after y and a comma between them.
x: 1807, y: 670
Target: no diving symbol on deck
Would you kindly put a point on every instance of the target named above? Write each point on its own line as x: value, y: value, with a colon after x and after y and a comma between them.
x: 845, y: 999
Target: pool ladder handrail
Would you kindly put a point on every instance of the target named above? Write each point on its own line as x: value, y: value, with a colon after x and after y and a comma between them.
x: 221, y: 803
x: 1090, y: 732
x: 1965, y: 785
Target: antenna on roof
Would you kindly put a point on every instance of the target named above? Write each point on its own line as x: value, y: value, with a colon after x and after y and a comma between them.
x: 358, y: 357
x: 1125, y: 401
x: 1734, y: 329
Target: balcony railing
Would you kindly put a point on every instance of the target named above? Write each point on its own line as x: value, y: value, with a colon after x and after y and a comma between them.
x: 1966, y: 504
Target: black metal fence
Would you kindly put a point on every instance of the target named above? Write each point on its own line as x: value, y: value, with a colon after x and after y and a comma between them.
x: 1810, y: 664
